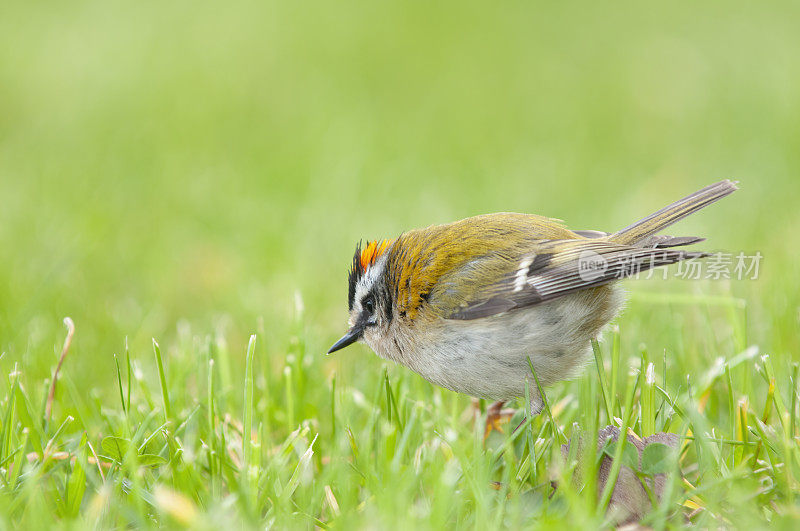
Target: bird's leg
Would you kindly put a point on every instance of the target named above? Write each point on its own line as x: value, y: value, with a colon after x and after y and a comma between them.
x: 496, y: 416
x: 536, y: 403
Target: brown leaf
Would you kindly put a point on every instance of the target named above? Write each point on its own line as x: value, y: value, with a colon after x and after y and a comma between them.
x: 629, y: 500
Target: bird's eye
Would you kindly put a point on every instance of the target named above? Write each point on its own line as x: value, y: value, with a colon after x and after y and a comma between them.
x: 369, y: 304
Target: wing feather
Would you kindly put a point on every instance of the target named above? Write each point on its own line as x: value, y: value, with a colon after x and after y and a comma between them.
x: 568, y: 266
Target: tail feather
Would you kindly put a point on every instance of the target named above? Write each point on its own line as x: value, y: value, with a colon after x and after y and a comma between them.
x: 647, y: 227
x: 662, y: 241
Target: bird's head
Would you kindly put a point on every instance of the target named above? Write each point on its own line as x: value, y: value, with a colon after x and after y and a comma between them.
x: 369, y: 297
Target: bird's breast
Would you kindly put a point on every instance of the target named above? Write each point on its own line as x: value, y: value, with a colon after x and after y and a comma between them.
x: 488, y: 357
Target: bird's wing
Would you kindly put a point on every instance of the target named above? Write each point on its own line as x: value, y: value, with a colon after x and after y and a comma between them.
x: 432, y: 266
x: 552, y: 269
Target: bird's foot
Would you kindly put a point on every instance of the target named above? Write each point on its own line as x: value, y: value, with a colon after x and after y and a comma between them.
x: 496, y: 417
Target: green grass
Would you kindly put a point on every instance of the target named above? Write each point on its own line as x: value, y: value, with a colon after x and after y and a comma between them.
x: 390, y: 452
x: 200, y: 173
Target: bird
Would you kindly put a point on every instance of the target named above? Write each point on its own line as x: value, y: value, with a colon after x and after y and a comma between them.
x: 477, y: 305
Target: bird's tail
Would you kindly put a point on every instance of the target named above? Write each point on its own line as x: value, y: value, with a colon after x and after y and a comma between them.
x: 639, y: 232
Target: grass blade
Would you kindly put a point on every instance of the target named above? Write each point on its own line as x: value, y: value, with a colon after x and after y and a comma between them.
x: 162, y: 378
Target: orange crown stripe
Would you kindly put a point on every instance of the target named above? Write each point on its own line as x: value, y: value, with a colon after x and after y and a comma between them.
x: 373, y: 251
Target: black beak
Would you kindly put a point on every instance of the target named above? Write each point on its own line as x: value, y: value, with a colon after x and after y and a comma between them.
x: 352, y: 335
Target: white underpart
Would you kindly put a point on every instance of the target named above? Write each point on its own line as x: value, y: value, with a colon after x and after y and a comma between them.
x: 488, y: 357
x: 522, y: 273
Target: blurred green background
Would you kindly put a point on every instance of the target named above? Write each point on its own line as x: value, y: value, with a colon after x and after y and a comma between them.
x: 199, y: 162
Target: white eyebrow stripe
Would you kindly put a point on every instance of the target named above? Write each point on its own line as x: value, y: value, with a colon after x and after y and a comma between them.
x: 365, y: 283
x: 522, y: 273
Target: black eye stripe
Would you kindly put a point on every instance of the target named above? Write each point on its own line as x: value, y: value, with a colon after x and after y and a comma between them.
x: 368, y: 303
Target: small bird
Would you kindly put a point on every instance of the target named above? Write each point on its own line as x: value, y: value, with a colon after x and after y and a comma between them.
x: 466, y: 305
